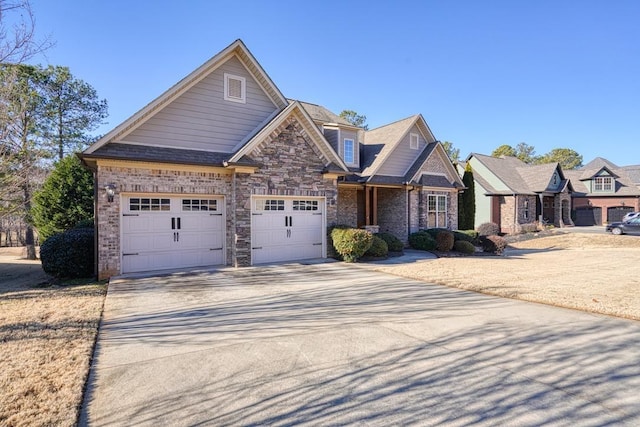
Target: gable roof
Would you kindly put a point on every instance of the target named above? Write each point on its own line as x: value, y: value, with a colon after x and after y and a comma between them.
x: 296, y: 111
x: 434, y: 180
x: 520, y: 177
x: 237, y: 49
x: 625, y: 183
x: 322, y: 115
x: 386, y: 138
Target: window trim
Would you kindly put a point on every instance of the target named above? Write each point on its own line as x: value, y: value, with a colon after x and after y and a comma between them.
x: 353, y: 151
x: 417, y: 141
x: 606, y: 181
x: 439, y: 201
x: 243, y: 88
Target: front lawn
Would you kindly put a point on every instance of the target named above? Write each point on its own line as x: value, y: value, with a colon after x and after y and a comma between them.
x: 47, y: 333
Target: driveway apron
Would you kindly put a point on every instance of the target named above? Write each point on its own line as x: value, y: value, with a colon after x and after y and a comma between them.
x: 335, y: 344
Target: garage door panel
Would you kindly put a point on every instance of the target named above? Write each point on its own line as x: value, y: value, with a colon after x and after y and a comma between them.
x: 173, y: 237
x: 294, y: 230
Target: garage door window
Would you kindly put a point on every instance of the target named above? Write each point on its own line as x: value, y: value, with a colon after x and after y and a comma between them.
x: 199, y: 205
x: 305, y: 205
x: 149, y: 204
x: 269, y: 205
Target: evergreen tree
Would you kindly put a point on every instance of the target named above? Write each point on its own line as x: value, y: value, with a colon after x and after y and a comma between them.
x: 467, y: 201
x: 65, y: 199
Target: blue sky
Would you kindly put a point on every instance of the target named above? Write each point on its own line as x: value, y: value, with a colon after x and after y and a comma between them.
x: 553, y: 74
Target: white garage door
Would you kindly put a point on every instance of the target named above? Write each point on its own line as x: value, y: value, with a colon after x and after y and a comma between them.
x: 286, y: 229
x: 171, y: 232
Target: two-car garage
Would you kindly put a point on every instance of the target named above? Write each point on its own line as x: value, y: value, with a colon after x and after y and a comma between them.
x: 169, y: 232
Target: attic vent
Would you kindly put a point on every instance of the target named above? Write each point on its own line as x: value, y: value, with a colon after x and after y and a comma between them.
x: 414, y: 141
x: 234, y: 88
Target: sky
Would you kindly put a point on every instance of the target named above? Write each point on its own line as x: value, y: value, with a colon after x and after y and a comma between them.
x: 550, y: 73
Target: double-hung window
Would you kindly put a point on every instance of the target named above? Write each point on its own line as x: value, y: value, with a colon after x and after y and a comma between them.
x: 349, y: 154
x: 436, y: 211
x: 603, y: 184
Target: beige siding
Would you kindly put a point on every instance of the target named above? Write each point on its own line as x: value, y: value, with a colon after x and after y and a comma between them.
x: 349, y: 134
x: 402, y: 157
x: 331, y: 134
x: 200, y: 119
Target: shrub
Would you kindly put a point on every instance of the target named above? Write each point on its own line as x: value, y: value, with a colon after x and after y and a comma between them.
x: 331, y: 250
x: 464, y: 246
x: 433, y: 232
x: 444, y: 241
x: 488, y: 229
x: 393, y: 243
x: 530, y: 227
x: 494, y: 244
x: 422, y: 240
x: 379, y: 247
x: 69, y: 254
x: 84, y: 223
x: 351, y: 243
x: 470, y: 236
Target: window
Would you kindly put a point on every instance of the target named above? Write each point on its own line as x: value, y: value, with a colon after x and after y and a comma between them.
x: 414, y: 141
x: 525, y: 208
x: 234, y: 88
x: 305, y: 205
x: 603, y: 184
x: 269, y: 205
x: 199, y: 205
x: 149, y: 204
x: 349, y: 152
x: 436, y: 211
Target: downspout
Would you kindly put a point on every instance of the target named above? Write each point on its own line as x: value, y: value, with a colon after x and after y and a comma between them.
x: 234, y: 247
x: 409, y: 190
x: 515, y: 213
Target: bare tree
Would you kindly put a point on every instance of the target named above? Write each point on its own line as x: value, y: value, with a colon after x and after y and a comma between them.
x: 19, y: 168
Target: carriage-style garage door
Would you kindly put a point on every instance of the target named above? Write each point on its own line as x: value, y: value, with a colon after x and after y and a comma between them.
x: 286, y: 229
x: 171, y: 232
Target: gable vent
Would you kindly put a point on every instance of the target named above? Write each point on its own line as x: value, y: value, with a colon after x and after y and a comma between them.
x: 234, y: 88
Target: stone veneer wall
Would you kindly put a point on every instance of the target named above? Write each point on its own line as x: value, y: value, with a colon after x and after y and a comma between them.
x: 143, y: 180
x: 289, y: 166
x: 348, y: 207
x: 392, y: 212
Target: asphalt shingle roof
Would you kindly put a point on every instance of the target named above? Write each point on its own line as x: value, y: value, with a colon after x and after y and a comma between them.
x: 159, y: 154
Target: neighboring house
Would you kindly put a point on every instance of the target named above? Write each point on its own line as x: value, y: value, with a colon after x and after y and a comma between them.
x: 511, y: 193
x: 604, y: 192
x: 222, y: 169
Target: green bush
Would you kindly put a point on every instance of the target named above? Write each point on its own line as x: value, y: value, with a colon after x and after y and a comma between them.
x: 393, y: 243
x: 464, y: 247
x: 331, y: 250
x: 433, y: 232
x: 351, y: 243
x: 444, y: 241
x: 422, y: 240
x: 493, y: 244
x: 379, y: 248
x: 488, y: 229
x: 84, y: 223
x: 470, y: 236
x: 69, y: 254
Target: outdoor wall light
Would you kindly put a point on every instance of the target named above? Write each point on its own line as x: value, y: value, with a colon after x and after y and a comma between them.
x: 110, y: 189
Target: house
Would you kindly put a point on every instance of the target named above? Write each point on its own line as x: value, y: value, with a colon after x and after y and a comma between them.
x: 512, y: 193
x: 604, y: 192
x: 222, y: 169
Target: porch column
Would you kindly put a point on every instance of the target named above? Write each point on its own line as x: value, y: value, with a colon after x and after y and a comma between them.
x: 541, y: 217
x: 375, y: 206
x: 367, y: 206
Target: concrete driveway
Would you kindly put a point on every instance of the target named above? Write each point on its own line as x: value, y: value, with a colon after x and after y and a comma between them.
x: 334, y: 344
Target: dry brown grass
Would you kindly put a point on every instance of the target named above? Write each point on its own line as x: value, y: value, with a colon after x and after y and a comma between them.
x: 46, y: 341
x: 598, y: 273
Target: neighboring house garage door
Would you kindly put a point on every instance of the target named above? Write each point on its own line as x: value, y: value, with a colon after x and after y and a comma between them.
x: 616, y: 214
x: 588, y: 216
x: 171, y: 232
x: 286, y: 229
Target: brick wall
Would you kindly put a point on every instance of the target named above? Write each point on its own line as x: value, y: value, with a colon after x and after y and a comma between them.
x: 347, y: 207
x: 143, y: 180
x: 392, y: 212
x: 289, y: 166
